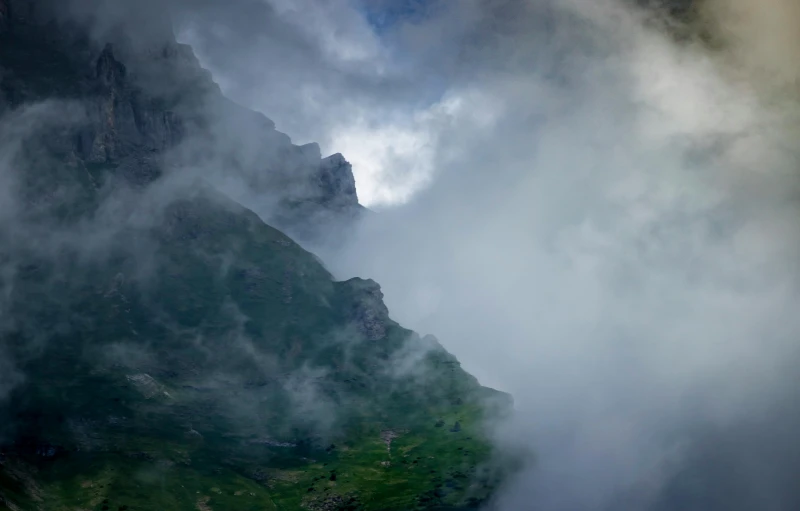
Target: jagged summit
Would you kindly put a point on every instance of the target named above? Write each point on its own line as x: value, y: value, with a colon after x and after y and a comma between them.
x: 338, y: 183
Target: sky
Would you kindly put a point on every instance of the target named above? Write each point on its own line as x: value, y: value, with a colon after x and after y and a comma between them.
x: 593, y: 205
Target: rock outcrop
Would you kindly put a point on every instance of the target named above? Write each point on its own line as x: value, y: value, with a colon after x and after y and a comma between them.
x: 369, y: 312
x: 337, y: 183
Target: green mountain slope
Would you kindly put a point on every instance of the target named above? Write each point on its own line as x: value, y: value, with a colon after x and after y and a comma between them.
x: 161, y: 347
x: 238, y: 369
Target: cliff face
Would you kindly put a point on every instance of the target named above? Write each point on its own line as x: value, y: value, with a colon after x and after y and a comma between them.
x: 149, y: 108
x: 161, y: 346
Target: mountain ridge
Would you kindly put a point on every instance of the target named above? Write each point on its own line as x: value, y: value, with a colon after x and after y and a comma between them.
x: 161, y: 102
x: 171, y: 349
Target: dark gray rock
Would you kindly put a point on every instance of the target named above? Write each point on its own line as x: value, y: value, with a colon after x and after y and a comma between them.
x: 337, y: 184
x: 368, y: 311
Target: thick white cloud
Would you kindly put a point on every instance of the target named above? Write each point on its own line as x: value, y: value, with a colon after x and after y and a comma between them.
x: 616, y: 247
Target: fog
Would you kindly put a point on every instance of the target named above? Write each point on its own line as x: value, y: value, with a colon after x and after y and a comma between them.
x: 592, y: 204
x: 608, y: 232
x: 613, y: 240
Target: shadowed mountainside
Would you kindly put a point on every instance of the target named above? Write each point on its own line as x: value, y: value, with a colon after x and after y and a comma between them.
x: 164, y: 348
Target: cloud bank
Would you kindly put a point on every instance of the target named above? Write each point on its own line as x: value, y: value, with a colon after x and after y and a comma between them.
x: 610, y: 234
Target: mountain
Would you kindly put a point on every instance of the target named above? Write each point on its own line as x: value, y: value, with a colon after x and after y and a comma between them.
x: 149, y: 104
x: 164, y: 347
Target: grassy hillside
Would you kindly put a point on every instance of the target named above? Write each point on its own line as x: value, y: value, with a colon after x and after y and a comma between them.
x: 161, y: 347
x: 206, y: 361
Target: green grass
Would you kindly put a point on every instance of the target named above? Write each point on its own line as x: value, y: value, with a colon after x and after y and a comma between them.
x: 142, y: 473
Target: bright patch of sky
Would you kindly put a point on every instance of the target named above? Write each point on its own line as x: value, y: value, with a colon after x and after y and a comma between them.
x: 393, y: 157
x: 395, y: 160
x: 390, y: 151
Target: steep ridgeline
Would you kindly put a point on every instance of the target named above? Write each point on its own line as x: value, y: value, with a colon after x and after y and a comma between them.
x: 161, y: 347
x: 147, y: 107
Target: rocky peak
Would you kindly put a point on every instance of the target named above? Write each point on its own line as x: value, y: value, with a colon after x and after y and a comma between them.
x: 148, y: 99
x: 337, y: 181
